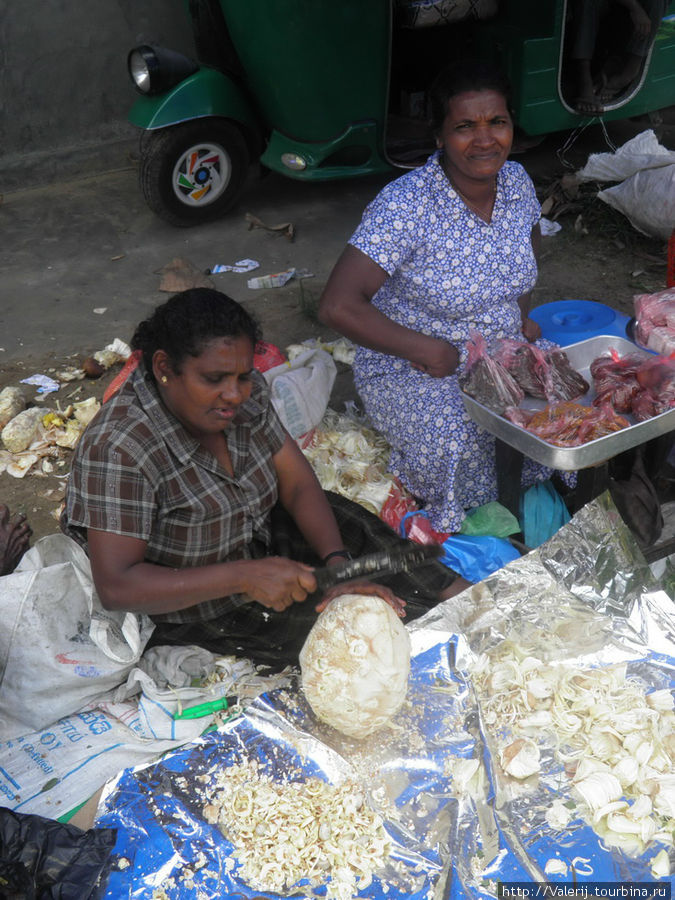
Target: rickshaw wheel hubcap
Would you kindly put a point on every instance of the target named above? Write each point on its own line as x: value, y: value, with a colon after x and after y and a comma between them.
x: 201, y: 174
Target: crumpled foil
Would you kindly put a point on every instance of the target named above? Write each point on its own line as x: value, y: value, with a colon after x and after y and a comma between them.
x: 586, y: 597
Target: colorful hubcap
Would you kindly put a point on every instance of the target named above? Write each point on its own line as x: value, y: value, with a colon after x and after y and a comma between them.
x: 201, y: 174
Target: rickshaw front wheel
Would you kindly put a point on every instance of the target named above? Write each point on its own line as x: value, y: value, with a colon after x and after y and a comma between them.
x: 194, y: 172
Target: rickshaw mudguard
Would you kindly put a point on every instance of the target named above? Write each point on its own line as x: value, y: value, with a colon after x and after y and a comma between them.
x: 206, y: 93
x: 327, y: 160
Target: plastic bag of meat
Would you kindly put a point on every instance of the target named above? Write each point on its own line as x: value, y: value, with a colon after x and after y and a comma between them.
x: 657, y: 374
x: 602, y: 420
x: 526, y: 363
x: 518, y: 416
x: 570, y: 424
x: 615, y: 379
x: 546, y: 374
x: 486, y: 380
x: 644, y: 406
x: 662, y: 340
x: 558, y: 424
x: 652, y: 311
x: 565, y: 383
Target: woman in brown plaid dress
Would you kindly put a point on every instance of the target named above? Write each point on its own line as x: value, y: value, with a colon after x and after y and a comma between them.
x: 197, y: 508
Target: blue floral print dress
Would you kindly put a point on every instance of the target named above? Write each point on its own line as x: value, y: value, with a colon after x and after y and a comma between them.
x: 450, y: 272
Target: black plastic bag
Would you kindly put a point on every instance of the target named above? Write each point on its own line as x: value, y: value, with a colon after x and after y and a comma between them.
x: 635, y: 496
x: 42, y: 859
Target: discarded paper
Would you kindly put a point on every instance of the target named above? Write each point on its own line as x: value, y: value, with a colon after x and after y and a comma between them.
x: 45, y: 384
x: 271, y: 281
x: 241, y: 266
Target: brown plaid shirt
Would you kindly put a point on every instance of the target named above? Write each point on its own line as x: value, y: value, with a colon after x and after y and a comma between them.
x: 137, y: 472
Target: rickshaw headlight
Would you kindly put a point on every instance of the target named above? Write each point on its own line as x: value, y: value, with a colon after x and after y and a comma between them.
x: 155, y: 69
x: 294, y: 161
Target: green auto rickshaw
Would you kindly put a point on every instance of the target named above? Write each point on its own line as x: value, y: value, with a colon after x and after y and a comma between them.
x: 318, y: 89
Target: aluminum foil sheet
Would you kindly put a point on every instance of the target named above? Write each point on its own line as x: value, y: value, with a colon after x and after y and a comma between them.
x: 587, y: 598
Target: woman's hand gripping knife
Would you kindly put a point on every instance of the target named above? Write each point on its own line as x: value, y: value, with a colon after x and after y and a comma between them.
x: 345, y: 306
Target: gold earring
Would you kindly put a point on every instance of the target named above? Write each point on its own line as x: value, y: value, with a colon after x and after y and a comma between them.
x: 164, y: 379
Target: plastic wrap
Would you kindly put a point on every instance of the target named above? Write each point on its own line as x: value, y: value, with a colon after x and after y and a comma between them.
x: 615, y: 379
x: 569, y: 424
x: 526, y: 363
x: 487, y: 380
x: 634, y: 385
x: 652, y: 312
x: 564, y: 383
x: 458, y: 823
x: 546, y: 374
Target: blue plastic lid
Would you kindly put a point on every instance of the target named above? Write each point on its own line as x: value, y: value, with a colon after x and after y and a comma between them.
x: 568, y: 321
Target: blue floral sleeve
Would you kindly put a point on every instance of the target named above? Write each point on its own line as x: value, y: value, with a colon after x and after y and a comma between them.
x: 390, y: 228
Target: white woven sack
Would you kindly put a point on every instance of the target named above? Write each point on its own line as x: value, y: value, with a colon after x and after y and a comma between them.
x: 647, y: 199
x: 59, y: 649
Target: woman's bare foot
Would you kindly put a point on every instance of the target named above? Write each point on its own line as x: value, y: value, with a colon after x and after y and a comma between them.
x: 586, y: 102
x: 614, y: 83
x: 458, y: 585
x: 589, y: 105
x: 15, y: 535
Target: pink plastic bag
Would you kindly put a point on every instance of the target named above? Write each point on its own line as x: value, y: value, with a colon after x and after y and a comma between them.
x: 657, y: 375
x: 652, y: 311
x: 615, y: 379
x: 526, y: 363
x: 486, y: 380
x: 570, y: 424
x: 545, y: 374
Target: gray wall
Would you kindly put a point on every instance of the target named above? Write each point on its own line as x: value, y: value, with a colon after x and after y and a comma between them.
x: 64, y: 88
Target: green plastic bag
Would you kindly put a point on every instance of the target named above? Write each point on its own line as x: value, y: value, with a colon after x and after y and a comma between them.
x: 491, y: 519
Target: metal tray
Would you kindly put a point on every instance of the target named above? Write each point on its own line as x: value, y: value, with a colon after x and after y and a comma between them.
x: 580, y: 355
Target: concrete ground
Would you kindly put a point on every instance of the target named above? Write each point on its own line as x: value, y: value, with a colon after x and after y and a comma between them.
x: 82, y: 259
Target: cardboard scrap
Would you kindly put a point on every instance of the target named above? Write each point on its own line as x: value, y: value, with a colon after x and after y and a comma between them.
x: 286, y: 228
x: 181, y: 275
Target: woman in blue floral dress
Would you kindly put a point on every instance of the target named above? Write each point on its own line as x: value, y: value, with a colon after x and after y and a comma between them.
x: 442, y: 250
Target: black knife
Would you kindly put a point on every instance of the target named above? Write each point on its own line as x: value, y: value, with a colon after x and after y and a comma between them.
x: 375, y: 565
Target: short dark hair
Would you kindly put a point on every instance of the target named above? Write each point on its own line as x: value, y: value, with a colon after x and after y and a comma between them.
x: 462, y: 76
x: 183, y: 325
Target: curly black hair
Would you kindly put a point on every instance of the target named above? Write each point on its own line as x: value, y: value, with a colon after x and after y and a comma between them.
x: 462, y: 76
x: 183, y: 325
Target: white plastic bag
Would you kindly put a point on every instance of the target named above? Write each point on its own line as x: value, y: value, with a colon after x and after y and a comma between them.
x: 300, y: 390
x: 647, y: 199
x: 59, y: 649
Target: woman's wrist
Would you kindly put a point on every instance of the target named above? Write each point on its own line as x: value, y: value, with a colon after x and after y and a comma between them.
x: 336, y: 556
x: 235, y: 576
